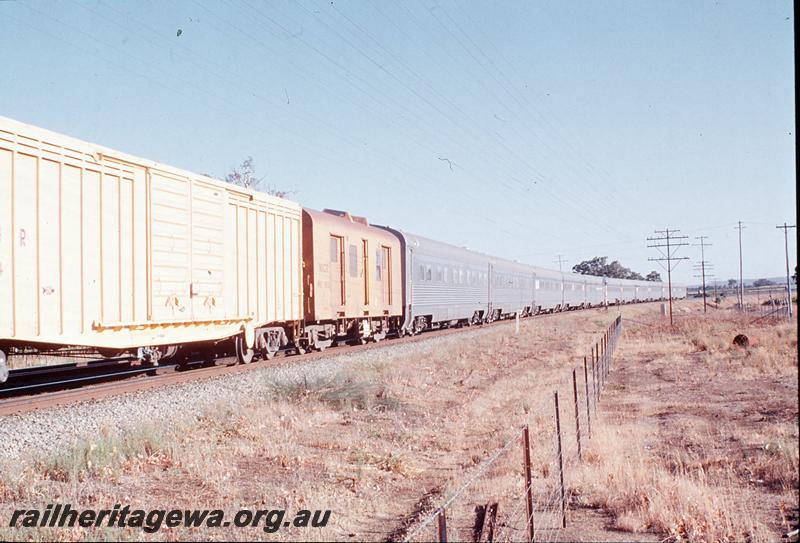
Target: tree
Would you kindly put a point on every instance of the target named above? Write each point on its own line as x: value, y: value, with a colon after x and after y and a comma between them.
x: 732, y: 283
x: 594, y: 266
x: 598, y: 266
x: 762, y: 283
x: 653, y: 276
x: 245, y: 176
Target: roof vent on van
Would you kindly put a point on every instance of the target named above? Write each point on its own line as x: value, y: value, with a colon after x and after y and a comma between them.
x: 346, y: 215
x: 343, y: 214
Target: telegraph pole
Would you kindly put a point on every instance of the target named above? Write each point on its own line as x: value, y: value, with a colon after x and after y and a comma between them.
x: 786, y: 249
x: 703, y: 265
x: 673, y: 242
x: 704, y: 273
x: 741, y: 281
x: 560, y: 260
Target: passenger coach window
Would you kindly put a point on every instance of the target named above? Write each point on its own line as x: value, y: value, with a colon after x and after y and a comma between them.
x: 353, y: 261
x: 334, y: 249
x: 378, y: 263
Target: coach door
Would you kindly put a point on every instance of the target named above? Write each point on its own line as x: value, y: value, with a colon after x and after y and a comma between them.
x: 385, y: 275
x: 337, y: 271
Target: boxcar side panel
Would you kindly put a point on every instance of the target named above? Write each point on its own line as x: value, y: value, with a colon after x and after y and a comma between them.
x: 208, y: 256
x: 25, y: 211
x: 70, y: 285
x: 6, y: 241
x: 48, y: 291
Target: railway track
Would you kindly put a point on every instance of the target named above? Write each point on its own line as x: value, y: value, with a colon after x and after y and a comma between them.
x: 79, y: 382
x: 38, y: 378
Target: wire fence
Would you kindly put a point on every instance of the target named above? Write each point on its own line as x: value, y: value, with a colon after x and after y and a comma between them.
x: 775, y: 309
x: 520, y: 491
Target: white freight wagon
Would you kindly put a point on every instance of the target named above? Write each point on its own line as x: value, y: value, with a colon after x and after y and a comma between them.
x: 106, y: 250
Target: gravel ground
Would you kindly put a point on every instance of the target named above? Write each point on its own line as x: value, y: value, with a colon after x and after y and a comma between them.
x: 54, y: 430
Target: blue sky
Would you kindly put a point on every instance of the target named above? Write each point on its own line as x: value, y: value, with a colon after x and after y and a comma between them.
x: 521, y: 129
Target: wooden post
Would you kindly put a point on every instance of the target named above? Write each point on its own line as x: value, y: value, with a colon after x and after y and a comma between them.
x: 594, y: 385
x: 599, y: 365
x: 586, y: 387
x: 577, y: 413
x: 560, y: 466
x: 442, y: 522
x: 526, y: 446
x: 489, y: 524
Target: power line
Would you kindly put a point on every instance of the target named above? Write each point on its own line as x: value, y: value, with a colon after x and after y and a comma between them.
x: 672, y: 244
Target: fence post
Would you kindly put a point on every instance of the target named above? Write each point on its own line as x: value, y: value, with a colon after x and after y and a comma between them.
x: 599, y: 366
x: 586, y: 385
x: 603, y: 355
x: 560, y: 465
x: 442, y: 522
x: 602, y: 363
x: 526, y: 446
x: 577, y: 413
x: 491, y: 523
x: 603, y: 343
x: 595, y: 386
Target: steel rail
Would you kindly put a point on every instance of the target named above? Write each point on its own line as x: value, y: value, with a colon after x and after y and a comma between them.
x: 128, y: 383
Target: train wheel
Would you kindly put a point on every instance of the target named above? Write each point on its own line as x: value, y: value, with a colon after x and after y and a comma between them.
x: 244, y: 354
x: 3, y: 367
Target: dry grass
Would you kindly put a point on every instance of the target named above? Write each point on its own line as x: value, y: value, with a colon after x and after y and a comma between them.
x: 699, y: 437
x: 382, y: 443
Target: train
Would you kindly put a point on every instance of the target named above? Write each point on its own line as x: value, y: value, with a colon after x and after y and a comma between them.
x: 106, y: 251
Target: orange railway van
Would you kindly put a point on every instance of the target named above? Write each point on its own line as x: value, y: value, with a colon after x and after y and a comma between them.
x: 352, y: 279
